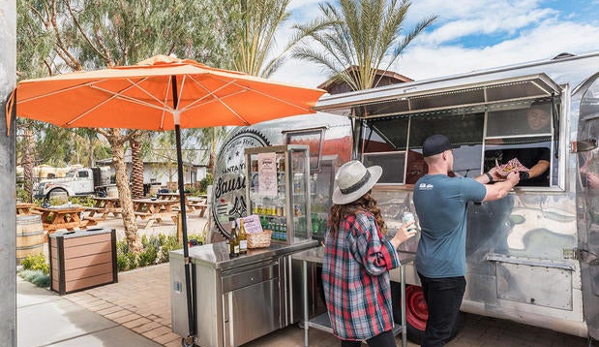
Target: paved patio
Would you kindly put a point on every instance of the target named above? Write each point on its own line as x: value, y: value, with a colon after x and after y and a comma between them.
x: 140, y: 302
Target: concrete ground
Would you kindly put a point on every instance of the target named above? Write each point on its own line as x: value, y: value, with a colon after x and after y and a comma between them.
x: 136, y: 311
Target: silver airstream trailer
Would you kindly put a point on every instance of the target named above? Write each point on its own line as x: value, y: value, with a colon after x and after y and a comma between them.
x: 532, y: 257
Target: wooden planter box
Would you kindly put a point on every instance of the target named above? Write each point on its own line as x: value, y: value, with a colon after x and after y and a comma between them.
x: 82, y: 259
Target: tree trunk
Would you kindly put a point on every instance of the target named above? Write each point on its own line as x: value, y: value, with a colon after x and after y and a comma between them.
x: 137, y: 168
x: 28, y: 160
x: 116, y: 140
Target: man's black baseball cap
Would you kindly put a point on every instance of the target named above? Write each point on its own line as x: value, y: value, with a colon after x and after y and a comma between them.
x: 435, y: 144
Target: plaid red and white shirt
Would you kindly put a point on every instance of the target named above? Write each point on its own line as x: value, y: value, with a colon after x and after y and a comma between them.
x: 355, y: 275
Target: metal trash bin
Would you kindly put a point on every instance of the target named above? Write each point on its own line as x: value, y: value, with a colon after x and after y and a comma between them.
x: 82, y: 259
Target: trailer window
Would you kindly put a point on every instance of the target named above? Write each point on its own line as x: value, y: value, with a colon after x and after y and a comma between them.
x: 394, y: 160
x: 386, y: 142
x: 483, y: 136
x: 524, y: 133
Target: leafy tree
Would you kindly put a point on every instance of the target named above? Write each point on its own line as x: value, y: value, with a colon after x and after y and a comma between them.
x: 34, y: 60
x: 365, y: 34
x: 93, y: 34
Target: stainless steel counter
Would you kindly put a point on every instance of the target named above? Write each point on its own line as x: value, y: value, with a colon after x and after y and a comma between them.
x: 236, y: 299
x: 216, y: 255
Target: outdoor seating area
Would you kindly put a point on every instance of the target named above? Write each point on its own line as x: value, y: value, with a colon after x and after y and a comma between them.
x: 24, y: 209
x: 197, y: 204
x: 192, y: 203
x: 148, y: 211
x: 103, y: 207
x: 154, y: 210
x: 67, y: 217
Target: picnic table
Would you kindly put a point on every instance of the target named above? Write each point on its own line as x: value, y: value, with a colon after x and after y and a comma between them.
x: 152, y: 210
x: 168, y: 196
x: 191, y: 203
x: 103, y: 207
x: 197, y: 204
x: 25, y: 208
x: 63, y: 217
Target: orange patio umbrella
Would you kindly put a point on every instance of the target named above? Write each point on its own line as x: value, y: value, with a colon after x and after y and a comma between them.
x: 160, y: 93
x: 153, y: 93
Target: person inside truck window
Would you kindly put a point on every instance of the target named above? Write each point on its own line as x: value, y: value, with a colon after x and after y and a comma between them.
x: 536, y: 159
x: 357, y: 259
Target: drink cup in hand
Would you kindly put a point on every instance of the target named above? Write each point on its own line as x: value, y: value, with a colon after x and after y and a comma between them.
x: 405, y: 232
x: 408, y: 218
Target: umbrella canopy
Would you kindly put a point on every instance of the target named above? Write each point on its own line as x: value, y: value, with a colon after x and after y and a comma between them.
x: 160, y: 93
x: 147, y: 95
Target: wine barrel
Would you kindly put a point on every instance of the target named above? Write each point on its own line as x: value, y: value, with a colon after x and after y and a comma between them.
x: 30, y: 236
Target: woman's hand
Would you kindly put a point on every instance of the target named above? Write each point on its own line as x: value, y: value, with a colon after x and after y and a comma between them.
x: 405, y: 232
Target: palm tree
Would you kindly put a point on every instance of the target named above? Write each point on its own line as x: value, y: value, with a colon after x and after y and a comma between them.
x: 356, y: 38
x: 251, y: 26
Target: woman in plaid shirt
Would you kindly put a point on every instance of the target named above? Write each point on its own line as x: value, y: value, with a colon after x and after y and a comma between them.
x: 357, y: 260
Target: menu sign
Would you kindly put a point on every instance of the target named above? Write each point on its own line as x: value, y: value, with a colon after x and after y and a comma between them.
x: 267, y: 174
x: 252, y: 224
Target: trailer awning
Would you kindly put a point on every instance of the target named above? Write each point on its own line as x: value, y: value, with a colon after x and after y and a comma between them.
x: 407, y: 98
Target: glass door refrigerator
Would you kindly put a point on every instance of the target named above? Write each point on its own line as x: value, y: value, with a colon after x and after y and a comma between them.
x: 278, y: 190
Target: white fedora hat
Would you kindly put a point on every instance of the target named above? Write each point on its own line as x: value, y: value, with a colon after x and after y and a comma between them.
x: 354, y: 180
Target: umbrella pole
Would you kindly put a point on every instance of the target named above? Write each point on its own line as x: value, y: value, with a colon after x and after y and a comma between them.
x: 181, y: 185
x: 190, y: 339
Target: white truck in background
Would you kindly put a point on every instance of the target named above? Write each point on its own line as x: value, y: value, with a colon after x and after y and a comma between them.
x: 77, y: 182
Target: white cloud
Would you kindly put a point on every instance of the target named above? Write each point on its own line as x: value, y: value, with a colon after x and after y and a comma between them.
x: 544, y: 42
x: 526, y: 31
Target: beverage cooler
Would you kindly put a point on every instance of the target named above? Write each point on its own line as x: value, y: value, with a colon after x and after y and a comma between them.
x: 278, y: 191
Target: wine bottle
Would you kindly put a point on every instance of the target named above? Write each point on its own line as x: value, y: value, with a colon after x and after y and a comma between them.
x: 243, y: 243
x: 233, y: 240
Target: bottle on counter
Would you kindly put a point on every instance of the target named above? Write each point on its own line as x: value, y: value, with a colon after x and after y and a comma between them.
x: 243, y: 243
x: 233, y: 240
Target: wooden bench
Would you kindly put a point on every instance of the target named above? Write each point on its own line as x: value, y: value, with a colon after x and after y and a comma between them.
x: 69, y: 226
x: 198, y: 205
x: 94, y: 220
x: 143, y: 215
x: 201, y: 208
x: 104, y: 211
x: 155, y: 217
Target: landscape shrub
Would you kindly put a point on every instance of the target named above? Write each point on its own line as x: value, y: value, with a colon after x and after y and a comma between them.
x: 35, y: 262
x: 36, y: 270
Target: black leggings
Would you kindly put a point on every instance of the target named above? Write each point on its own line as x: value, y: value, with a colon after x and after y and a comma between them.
x: 386, y: 339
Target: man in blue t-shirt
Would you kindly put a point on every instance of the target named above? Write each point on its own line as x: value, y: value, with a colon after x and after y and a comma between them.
x: 440, y: 203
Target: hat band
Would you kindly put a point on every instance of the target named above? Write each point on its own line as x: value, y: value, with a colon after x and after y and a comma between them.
x: 356, y: 186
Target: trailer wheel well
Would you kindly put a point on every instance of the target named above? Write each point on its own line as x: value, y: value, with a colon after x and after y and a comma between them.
x: 416, y: 312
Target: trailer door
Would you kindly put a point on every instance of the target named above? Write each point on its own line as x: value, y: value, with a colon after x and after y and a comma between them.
x: 588, y: 198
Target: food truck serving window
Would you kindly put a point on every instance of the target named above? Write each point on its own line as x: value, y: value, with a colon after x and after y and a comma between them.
x: 483, y: 137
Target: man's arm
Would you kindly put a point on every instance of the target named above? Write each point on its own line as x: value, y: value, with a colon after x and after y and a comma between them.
x: 538, y: 169
x: 489, y: 177
x: 501, y: 189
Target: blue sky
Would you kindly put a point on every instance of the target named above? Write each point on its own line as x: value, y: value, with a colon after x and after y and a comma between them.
x: 471, y: 35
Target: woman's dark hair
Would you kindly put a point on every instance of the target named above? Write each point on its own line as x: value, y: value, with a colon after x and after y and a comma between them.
x: 364, y: 203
